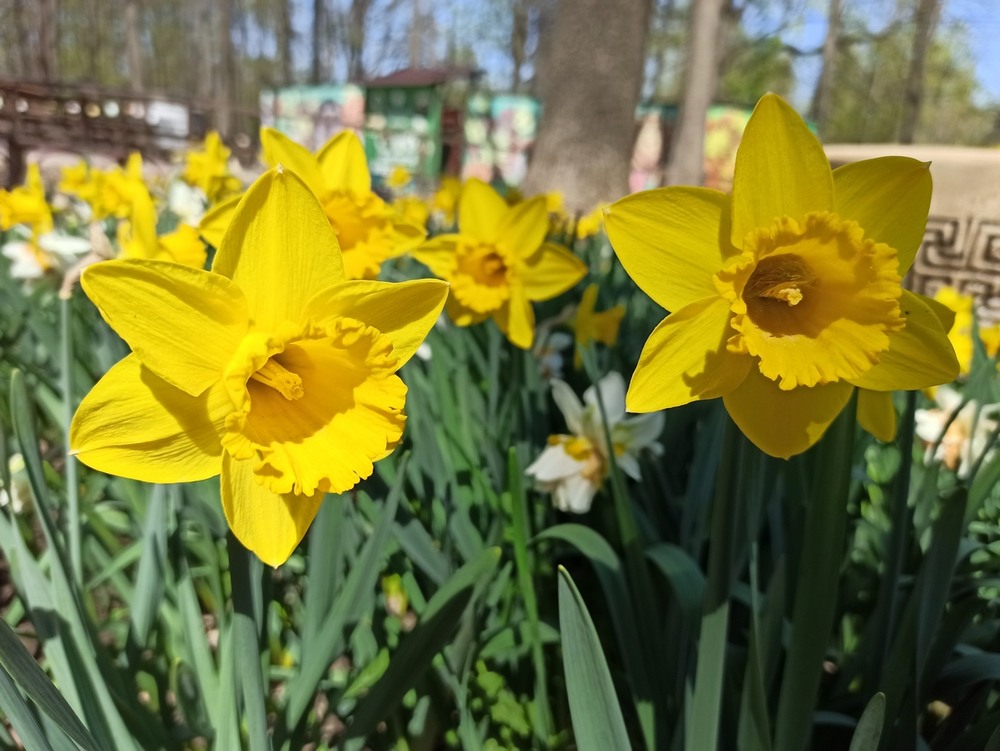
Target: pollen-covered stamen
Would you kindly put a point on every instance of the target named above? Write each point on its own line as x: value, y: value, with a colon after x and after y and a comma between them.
x: 282, y: 380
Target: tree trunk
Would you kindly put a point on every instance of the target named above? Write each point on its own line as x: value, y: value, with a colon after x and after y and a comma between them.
x: 925, y: 20
x: 133, y: 44
x: 823, y: 93
x: 47, y: 13
x: 204, y: 38
x: 319, y: 23
x: 687, y: 152
x: 589, y: 91
x: 357, y: 25
x: 518, y: 42
x: 285, y: 35
x: 225, y: 90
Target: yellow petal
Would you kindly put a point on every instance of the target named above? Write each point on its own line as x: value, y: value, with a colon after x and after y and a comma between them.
x: 269, y: 524
x: 480, y: 211
x: 439, y: 255
x: 671, y: 241
x: 136, y: 425
x: 343, y: 164
x: 784, y: 423
x: 516, y: 320
x: 523, y: 228
x: 685, y: 359
x: 919, y: 355
x: 216, y: 220
x: 876, y: 414
x: 550, y: 272
x: 278, y: 149
x: 889, y: 197
x: 944, y: 314
x: 184, y: 324
x: 280, y: 249
x: 461, y: 315
x: 403, y: 312
x: 781, y: 170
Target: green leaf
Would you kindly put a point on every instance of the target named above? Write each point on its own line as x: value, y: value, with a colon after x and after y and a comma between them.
x: 597, y: 719
x: 869, y: 730
x: 417, y: 650
x: 347, y: 606
x: 21, y: 666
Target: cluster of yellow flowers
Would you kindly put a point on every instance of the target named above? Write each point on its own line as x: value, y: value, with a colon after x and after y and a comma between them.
x: 784, y: 298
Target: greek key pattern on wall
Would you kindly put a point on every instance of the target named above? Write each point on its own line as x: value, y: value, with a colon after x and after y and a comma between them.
x: 964, y: 254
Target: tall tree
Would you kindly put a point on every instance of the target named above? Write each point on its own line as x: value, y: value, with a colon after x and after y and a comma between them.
x: 925, y: 19
x: 225, y: 91
x: 824, y: 85
x: 589, y: 90
x: 316, y: 72
x: 133, y: 43
x: 687, y: 153
x: 285, y: 34
x: 357, y: 26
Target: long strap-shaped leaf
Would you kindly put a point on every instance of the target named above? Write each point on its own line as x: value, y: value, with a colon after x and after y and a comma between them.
x: 598, y: 724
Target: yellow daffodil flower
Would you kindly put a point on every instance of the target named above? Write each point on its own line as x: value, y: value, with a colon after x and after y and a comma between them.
x: 215, y: 222
x: 121, y: 189
x: 589, y: 326
x: 207, y: 168
x: 138, y: 239
x: 499, y: 262
x: 26, y: 204
x: 960, y: 334
x: 399, y: 177
x: 592, y: 223
x: 338, y: 175
x: 412, y: 210
x: 272, y: 369
x: 445, y: 202
x: 785, y: 295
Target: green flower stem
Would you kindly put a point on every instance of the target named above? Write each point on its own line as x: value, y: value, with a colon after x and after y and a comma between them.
x: 72, y: 482
x: 706, y: 702
x: 248, y: 597
x: 521, y: 533
x: 814, y: 611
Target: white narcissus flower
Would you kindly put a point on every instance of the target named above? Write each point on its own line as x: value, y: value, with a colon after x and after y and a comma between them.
x: 31, y: 257
x: 965, y: 438
x: 186, y: 202
x: 574, y: 466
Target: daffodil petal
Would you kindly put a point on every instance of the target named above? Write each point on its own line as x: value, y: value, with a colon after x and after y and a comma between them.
x: 516, y: 319
x: 889, y: 197
x: 216, y: 220
x: 342, y: 161
x: 523, y: 227
x: 876, y: 414
x: 784, y: 423
x: 280, y: 249
x: 162, y: 308
x: 461, y: 315
x: 279, y: 149
x: 569, y: 404
x: 685, y: 359
x: 269, y: 524
x: 404, y: 312
x: 944, y: 314
x: 672, y: 241
x: 550, y: 272
x: 439, y: 255
x: 781, y: 170
x: 136, y: 425
x: 480, y: 211
x: 919, y: 355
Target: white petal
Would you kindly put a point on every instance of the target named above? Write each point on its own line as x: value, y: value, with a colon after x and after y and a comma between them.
x: 612, y: 388
x: 569, y: 405
x: 66, y: 246
x: 643, y: 430
x: 629, y: 465
x: 554, y: 464
x: 574, y: 495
